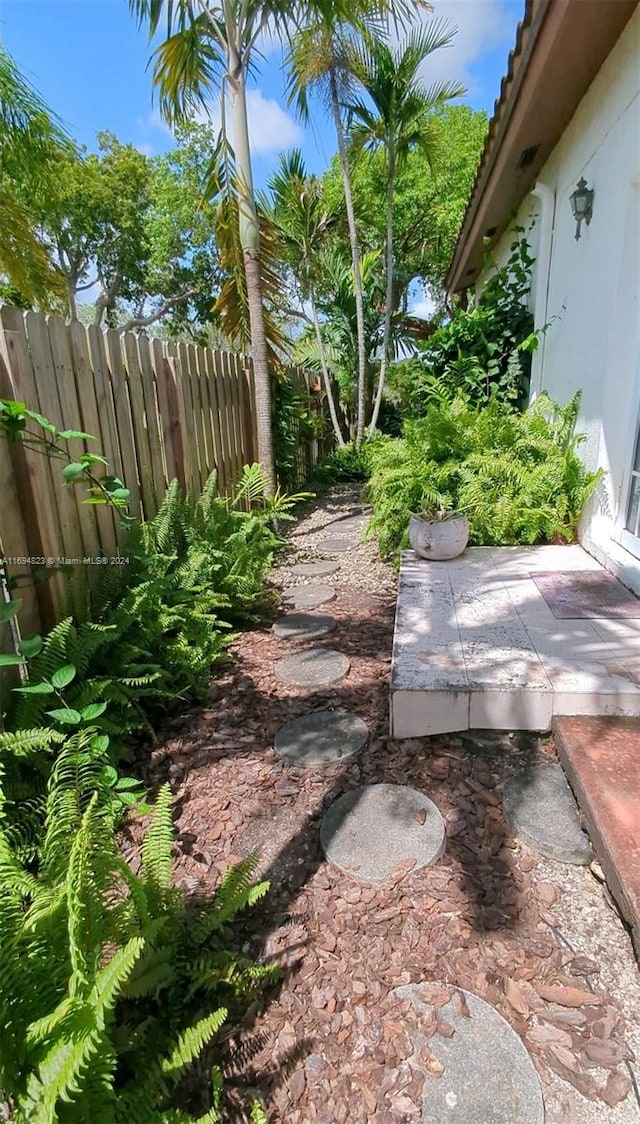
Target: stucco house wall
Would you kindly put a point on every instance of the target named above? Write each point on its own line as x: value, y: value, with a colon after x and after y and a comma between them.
x: 588, y: 291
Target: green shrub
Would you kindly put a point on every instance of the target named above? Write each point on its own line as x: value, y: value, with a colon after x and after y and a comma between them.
x: 195, y: 572
x: 294, y: 427
x: 111, y: 987
x: 517, y: 477
x: 344, y: 463
x: 482, y: 352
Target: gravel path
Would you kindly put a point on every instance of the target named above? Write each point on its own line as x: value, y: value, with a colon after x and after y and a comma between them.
x: 332, y: 1044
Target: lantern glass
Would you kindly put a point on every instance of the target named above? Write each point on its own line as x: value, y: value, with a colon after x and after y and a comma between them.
x: 581, y: 201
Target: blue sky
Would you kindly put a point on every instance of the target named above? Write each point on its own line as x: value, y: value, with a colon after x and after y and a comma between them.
x: 88, y: 59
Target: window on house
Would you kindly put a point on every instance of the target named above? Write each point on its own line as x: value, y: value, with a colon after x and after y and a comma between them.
x: 633, y: 510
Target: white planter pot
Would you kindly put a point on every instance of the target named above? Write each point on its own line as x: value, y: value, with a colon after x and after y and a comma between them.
x: 441, y: 539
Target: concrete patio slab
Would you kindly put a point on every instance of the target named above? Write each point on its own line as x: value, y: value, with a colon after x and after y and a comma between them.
x: 477, y: 646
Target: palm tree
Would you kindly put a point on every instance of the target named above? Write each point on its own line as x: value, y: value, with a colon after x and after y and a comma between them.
x: 397, y: 120
x: 302, y: 223
x: 32, y: 140
x: 321, y: 61
x: 336, y: 302
x: 210, y: 45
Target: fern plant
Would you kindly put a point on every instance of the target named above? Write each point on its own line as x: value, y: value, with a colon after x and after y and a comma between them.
x: 518, y: 477
x: 110, y: 987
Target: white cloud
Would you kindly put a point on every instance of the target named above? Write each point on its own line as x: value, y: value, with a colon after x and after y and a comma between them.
x: 271, y: 128
x: 154, y: 122
x: 482, y: 26
x: 423, y: 308
x: 146, y: 149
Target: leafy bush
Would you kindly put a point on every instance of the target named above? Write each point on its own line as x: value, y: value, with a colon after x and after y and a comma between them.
x: 342, y: 464
x: 110, y: 988
x: 195, y: 571
x: 294, y: 426
x: 517, y: 477
x: 481, y: 352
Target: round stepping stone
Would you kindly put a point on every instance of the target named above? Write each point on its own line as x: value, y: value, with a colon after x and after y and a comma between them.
x: 542, y: 810
x: 378, y: 830
x: 303, y: 626
x: 315, y: 569
x: 334, y: 545
x: 314, y: 667
x: 488, y: 1075
x: 321, y: 738
x: 355, y: 525
x: 307, y: 596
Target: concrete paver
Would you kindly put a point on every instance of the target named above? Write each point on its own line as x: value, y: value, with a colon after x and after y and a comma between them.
x: 321, y: 737
x: 373, y: 831
x: 488, y: 1075
x: 544, y: 814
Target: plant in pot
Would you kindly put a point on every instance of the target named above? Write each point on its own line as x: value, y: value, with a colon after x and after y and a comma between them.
x: 438, y: 532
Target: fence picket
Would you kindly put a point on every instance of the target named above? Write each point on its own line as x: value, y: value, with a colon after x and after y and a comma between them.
x: 184, y: 381
x: 87, y: 545
x: 157, y: 410
x: 149, y: 392
x: 92, y: 423
x: 124, y: 424
x: 139, y: 423
x: 198, y: 419
x: 223, y: 417
x: 34, y: 476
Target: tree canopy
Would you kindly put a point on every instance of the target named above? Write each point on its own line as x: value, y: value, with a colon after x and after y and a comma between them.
x: 430, y: 199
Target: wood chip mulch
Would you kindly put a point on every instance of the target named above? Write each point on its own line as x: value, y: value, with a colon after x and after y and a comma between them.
x: 333, y: 1044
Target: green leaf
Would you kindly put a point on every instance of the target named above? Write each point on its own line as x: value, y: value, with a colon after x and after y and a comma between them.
x: 111, y: 774
x: 94, y: 710
x: 72, y: 471
x: 110, y: 483
x: 63, y: 676
x: 128, y: 784
x: 93, y: 458
x: 30, y: 646
x: 66, y: 715
x: 9, y: 609
x: 43, y: 422
x: 101, y: 744
x: 43, y: 688
x: 75, y: 434
x: 8, y: 659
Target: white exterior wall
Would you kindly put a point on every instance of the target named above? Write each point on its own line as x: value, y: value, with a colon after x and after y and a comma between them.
x: 591, y: 291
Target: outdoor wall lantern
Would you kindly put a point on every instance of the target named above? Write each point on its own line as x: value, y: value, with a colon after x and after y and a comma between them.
x: 581, y: 204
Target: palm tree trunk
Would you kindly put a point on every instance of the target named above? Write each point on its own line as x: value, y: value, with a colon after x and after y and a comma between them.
x: 386, y: 333
x: 355, y: 257
x: 325, y: 370
x: 250, y: 242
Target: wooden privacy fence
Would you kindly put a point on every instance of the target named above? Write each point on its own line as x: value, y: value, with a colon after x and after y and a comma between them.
x: 156, y: 409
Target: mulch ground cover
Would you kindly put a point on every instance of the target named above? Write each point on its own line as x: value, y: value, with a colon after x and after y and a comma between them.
x: 332, y: 1043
